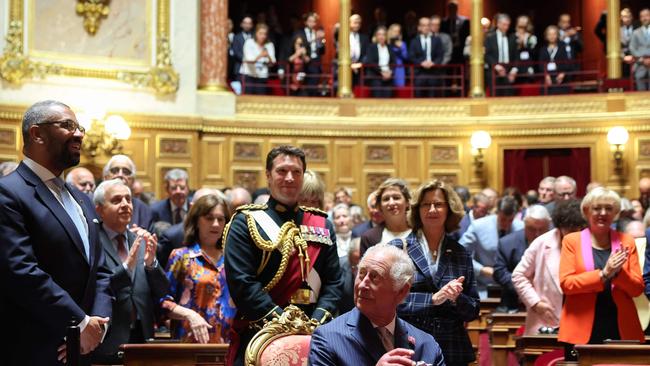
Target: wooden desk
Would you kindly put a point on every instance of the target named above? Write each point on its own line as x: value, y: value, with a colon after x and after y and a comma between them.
x: 529, y: 347
x: 502, y: 328
x: 479, y: 325
x: 174, y: 354
x: 594, y: 354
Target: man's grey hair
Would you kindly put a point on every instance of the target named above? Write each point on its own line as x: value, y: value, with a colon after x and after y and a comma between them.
x: 176, y: 174
x: 372, y: 198
x: 537, y: 212
x: 201, y: 192
x: 107, y: 168
x: 341, y: 206
x: 37, y: 113
x: 502, y: 16
x: 100, y: 191
x: 480, y: 197
x: 566, y: 179
x: 549, y: 180
x: 401, y: 266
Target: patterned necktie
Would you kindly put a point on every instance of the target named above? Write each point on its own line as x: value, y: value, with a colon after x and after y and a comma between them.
x: 121, y: 248
x: 386, y: 338
x: 74, y: 214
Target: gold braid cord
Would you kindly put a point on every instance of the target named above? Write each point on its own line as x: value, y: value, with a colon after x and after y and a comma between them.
x: 288, y: 239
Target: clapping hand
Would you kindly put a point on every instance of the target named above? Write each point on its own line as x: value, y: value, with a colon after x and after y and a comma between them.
x: 546, y: 311
x: 398, y: 356
x: 615, y: 262
x: 450, y: 291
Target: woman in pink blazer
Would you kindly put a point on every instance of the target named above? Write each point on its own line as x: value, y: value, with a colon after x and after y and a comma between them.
x: 536, y: 277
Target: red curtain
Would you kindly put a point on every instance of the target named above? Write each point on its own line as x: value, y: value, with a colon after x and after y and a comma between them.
x: 524, y: 168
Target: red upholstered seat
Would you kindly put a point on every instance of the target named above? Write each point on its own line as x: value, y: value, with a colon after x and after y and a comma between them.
x: 291, y: 350
x: 550, y: 358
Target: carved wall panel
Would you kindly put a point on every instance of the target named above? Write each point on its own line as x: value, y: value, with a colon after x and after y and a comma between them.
x: 379, y: 153
x: 345, y: 163
x: 173, y: 146
x: 213, y: 164
x: 8, y: 137
x: 247, y: 150
x: 444, y: 154
x: 449, y: 177
x: 374, y: 179
x: 248, y: 178
x: 411, y: 162
x: 644, y: 149
x: 137, y: 147
x: 315, y: 152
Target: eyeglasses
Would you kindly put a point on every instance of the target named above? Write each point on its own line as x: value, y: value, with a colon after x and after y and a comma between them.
x: 437, y: 205
x: 117, y: 169
x: 66, y: 124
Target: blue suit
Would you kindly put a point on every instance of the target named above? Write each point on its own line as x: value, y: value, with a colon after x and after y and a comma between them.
x: 358, y: 230
x: 481, y: 240
x: 170, y: 239
x: 511, y: 249
x: 351, y: 340
x: 45, y: 278
x: 162, y: 211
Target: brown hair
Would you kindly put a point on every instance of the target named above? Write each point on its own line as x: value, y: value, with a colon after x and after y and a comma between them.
x: 202, y: 207
x: 455, y: 204
x: 392, y: 182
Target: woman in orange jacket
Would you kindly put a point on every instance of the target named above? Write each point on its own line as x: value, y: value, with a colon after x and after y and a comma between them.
x: 599, y: 275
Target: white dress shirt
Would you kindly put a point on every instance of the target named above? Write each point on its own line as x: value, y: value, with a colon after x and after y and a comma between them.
x: 355, y: 46
x: 384, y: 58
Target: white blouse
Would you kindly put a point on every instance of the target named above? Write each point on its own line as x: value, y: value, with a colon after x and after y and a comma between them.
x: 384, y: 58
x: 259, y: 68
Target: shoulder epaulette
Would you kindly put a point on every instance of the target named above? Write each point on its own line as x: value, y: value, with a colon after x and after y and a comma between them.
x: 251, y: 207
x: 315, y: 210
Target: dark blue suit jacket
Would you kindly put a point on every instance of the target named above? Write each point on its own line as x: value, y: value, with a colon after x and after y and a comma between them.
x: 141, y: 214
x: 646, y: 265
x: 170, y: 239
x: 162, y: 211
x: 358, y: 230
x: 509, y: 252
x: 417, y: 55
x: 445, y: 322
x: 45, y: 278
x: 351, y: 340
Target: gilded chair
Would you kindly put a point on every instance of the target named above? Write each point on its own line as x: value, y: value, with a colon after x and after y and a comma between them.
x: 283, y: 341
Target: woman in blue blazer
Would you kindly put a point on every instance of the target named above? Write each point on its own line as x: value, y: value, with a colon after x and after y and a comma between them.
x: 443, y: 296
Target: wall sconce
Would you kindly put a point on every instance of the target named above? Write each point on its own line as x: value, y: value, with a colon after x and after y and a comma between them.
x: 479, y: 141
x: 617, y: 137
x: 103, y: 133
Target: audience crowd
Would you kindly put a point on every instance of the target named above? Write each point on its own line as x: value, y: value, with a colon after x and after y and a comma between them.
x: 428, y: 54
x: 573, y: 264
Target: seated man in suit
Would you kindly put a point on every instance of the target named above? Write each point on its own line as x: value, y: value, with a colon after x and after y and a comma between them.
x: 512, y: 247
x: 482, y: 238
x: 137, y: 281
x: 173, y: 208
x: 371, y: 333
x: 172, y: 238
x: 121, y: 166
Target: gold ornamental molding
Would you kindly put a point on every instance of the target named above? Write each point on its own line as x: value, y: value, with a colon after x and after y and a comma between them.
x: 16, y: 67
x: 93, y: 12
x: 555, y: 107
x: 417, y: 111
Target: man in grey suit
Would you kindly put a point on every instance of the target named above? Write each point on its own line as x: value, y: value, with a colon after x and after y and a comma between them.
x: 445, y: 39
x: 137, y: 281
x: 640, y: 49
x: 482, y: 238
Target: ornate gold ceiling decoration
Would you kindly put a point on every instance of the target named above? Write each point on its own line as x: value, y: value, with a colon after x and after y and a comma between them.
x: 93, y: 12
x: 15, y: 66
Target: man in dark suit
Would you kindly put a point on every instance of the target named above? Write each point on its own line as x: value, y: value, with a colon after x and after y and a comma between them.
x: 122, y: 167
x: 173, y: 237
x: 376, y: 217
x: 426, y: 51
x: 371, y: 333
x: 237, y: 46
x: 457, y: 26
x: 500, y: 53
x: 138, y: 281
x: 314, y: 43
x: 52, y: 268
x: 359, y: 43
x: 173, y: 208
x: 512, y: 247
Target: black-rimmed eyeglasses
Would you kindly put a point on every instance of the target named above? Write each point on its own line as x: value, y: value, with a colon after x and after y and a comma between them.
x: 66, y: 124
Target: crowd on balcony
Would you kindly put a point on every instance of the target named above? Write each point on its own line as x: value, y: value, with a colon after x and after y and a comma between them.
x: 427, y: 56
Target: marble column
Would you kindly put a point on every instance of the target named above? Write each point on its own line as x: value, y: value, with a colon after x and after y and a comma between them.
x: 214, y: 45
x: 345, y: 73
x: 476, y: 70
x: 613, y: 39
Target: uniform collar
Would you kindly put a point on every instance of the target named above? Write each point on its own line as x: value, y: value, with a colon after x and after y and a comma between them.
x: 281, y: 208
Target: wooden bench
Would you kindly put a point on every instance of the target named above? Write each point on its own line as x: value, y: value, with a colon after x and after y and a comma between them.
x: 502, y: 328
x: 597, y: 354
x: 479, y: 325
x: 174, y: 354
x: 529, y: 347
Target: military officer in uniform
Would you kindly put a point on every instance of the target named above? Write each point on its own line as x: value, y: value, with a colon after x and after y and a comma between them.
x: 279, y: 254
